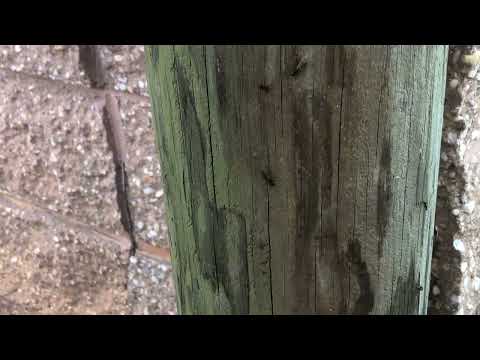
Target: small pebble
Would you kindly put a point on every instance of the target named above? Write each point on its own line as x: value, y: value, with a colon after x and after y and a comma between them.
x: 133, y: 260
x: 456, y: 212
x: 470, y: 206
x: 454, y: 83
x: 459, y: 246
x: 476, y: 283
x: 436, y: 290
x: 151, y: 234
x: 163, y: 267
x: 148, y: 191
x: 454, y: 299
x: 452, y: 138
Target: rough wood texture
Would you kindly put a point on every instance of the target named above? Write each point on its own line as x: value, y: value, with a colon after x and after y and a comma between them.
x: 300, y: 179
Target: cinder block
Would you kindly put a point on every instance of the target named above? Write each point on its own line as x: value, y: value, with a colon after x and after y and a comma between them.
x: 54, y: 150
x: 49, y: 265
x: 56, y: 62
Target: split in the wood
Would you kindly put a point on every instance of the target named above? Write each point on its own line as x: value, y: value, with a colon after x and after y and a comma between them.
x: 268, y: 177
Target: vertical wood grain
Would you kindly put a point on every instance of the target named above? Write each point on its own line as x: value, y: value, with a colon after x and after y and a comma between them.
x: 299, y: 179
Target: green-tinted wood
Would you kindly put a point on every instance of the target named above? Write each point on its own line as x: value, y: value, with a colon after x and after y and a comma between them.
x: 299, y: 179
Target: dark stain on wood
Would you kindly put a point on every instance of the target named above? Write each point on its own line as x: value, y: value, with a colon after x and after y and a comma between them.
x: 194, y: 150
x: 330, y: 60
x: 384, y: 204
x: 225, y: 228
x: 220, y: 81
x: 300, y: 65
x: 232, y: 260
x: 406, y: 298
x: 265, y: 88
x: 358, y: 268
x: 307, y: 199
x: 268, y: 177
x: 154, y: 54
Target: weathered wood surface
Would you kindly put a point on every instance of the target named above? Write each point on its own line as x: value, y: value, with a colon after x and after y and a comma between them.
x: 300, y: 179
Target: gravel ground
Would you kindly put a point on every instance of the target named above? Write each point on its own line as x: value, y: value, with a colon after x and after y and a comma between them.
x: 455, y: 280
x: 150, y: 287
x: 54, y: 150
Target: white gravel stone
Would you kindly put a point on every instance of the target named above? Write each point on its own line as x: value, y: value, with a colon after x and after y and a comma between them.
x: 152, y: 234
x: 452, y: 138
x: 458, y: 245
x: 476, y: 283
x: 148, y: 191
x: 436, y: 290
x: 454, y: 83
x: 470, y: 206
